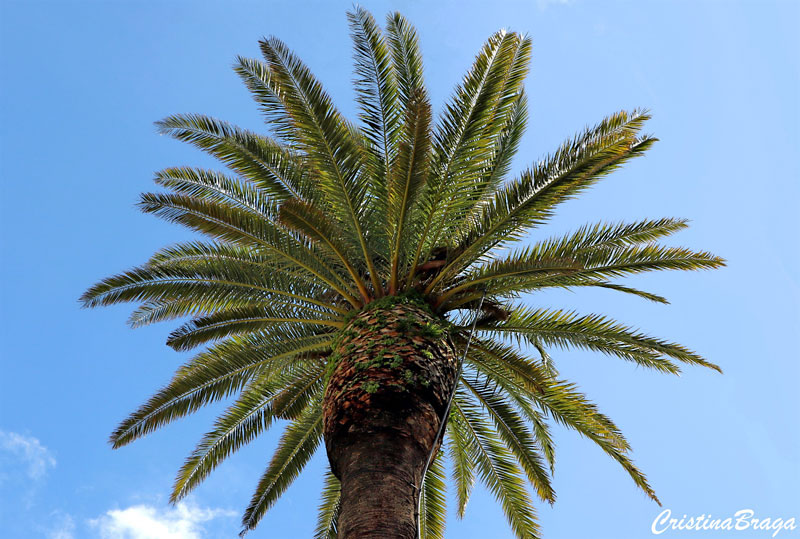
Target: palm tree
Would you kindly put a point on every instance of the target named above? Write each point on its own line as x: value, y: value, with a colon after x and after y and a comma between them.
x: 361, y: 282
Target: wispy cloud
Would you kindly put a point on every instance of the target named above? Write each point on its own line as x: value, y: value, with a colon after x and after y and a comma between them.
x: 27, y: 450
x: 184, y: 521
x: 63, y: 526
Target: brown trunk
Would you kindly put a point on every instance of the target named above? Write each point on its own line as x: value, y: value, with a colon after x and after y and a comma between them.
x: 393, y: 370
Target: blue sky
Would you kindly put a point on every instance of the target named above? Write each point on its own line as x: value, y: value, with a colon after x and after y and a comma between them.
x: 82, y: 83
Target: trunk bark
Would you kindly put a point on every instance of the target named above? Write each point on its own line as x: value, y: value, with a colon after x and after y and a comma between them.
x: 393, y: 370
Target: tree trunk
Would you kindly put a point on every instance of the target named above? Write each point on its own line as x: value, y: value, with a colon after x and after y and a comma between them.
x: 392, y: 373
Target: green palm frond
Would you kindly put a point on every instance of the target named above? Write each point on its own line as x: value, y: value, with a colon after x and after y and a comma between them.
x: 497, y: 167
x: 217, y: 373
x: 306, y: 219
x: 458, y: 149
x: 212, y: 281
x: 406, y: 58
x: 499, y: 127
x: 433, y: 501
x: 530, y: 200
x: 376, y: 89
x: 530, y: 269
x: 296, y: 447
x: 270, y: 166
x: 219, y: 188
x: 496, y: 466
x: 572, y: 409
x: 463, y: 470
x: 516, y: 376
x: 595, y: 332
x: 514, y: 433
x: 407, y: 177
x: 260, y: 403
x: 224, y: 323
x: 267, y: 91
x: 328, y: 512
x: 328, y: 142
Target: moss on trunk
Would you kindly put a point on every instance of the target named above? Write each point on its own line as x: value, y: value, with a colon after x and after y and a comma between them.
x: 391, y: 373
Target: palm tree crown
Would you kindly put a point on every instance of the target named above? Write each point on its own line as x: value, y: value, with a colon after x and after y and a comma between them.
x: 324, y: 219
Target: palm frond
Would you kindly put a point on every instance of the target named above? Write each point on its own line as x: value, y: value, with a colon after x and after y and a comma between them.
x: 316, y: 226
x: 327, y: 139
x: 521, y: 271
x: 376, y: 88
x: 407, y: 178
x: 254, y: 412
x: 433, y: 508
x: 530, y: 199
x: 516, y: 377
x: 328, y: 512
x: 295, y: 449
x: 212, y: 281
x: 217, y: 373
x: 515, y: 434
x: 272, y: 167
x: 407, y: 61
x: 488, y: 130
x: 463, y: 472
x: 459, y: 152
x: 496, y: 467
x: 570, y: 408
x: 595, y: 332
x: 224, y: 323
x: 496, y: 168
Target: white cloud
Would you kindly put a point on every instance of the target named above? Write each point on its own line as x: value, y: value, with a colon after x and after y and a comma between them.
x: 148, y: 522
x: 36, y: 457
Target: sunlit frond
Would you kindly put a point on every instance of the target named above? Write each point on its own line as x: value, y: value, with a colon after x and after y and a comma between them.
x: 295, y: 449
x: 433, y: 508
x: 328, y: 511
x: 260, y: 403
x: 496, y: 467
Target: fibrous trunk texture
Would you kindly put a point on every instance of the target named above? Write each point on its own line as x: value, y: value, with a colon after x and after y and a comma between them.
x: 392, y: 373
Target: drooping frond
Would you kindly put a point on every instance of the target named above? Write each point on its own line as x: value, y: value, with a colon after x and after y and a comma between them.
x: 570, y: 408
x: 595, y: 332
x: 296, y: 447
x: 328, y: 512
x: 463, y: 466
x: 514, y: 433
x: 433, y: 508
x: 496, y: 466
x: 515, y: 376
x: 219, y: 372
x: 272, y: 396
